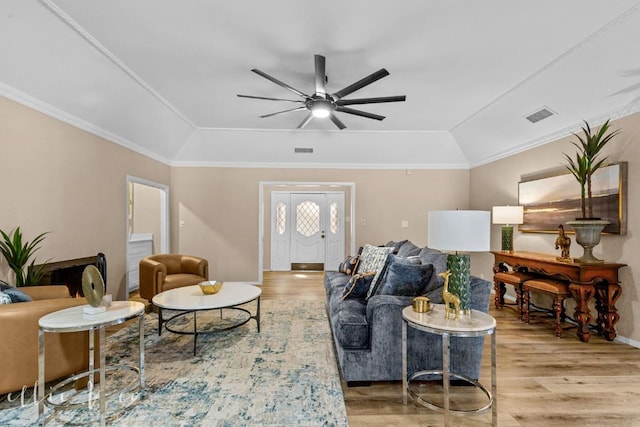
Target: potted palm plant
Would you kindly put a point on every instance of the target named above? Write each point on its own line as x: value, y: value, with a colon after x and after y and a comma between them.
x: 587, y: 161
x: 18, y: 253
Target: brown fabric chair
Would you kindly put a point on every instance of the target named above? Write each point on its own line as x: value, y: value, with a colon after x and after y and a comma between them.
x: 159, y: 273
x: 65, y: 354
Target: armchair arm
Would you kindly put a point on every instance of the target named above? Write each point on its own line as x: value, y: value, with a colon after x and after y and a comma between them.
x: 195, y: 265
x: 152, y: 274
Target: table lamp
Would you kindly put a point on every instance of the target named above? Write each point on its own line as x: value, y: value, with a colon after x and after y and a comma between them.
x: 460, y: 231
x: 508, y: 215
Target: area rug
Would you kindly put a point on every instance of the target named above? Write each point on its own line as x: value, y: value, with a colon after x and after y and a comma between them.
x: 284, y: 375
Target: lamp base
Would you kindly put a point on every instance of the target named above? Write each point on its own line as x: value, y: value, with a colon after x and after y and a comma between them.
x: 507, y: 238
x: 460, y: 280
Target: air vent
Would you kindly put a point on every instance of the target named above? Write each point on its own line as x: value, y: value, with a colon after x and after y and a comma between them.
x: 303, y: 150
x: 543, y: 113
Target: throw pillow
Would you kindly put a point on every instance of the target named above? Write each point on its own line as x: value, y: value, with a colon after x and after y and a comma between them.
x: 14, y: 293
x: 403, y: 279
x: 349, y: 265
x: 4, y: 298
x: 373, y: 259
x: 358, y: 286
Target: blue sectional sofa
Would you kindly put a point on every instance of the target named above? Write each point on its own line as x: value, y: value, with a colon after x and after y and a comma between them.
x: 367, y: 332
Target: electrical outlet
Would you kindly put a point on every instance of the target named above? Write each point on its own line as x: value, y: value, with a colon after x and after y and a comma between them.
x: 181, y: 223
x: 404, y: 223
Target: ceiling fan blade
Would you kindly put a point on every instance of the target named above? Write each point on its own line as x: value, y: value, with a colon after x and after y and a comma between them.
x: 284, y: 111
x: 321, y: 76
x: 269, y: 99
x: 337, y: 121
x: 359, y: 113
x: 305, y: 121
x: 361, y: 83
x: 279, y: 83
x: 376, y: 100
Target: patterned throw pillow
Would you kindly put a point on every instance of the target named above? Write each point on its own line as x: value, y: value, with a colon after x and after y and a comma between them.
x: 4, y: 298
x: 373, y: 259
x: 14, y: 293
x: 358, y: 286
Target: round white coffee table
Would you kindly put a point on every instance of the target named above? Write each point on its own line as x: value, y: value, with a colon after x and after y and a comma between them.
x: 190, y: 299
x: 475, y: 325
x: 74, y: 319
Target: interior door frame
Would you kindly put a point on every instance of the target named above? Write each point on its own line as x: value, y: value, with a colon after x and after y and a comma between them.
x: 304, y: 186
x: 164, y: 215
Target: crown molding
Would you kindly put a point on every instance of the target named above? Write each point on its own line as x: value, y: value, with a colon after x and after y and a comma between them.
x: 631, y: 108
x: 378, y: 166
x: 59, y: 114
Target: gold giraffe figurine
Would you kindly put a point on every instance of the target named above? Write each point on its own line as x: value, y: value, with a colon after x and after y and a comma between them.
x: 448, y: 297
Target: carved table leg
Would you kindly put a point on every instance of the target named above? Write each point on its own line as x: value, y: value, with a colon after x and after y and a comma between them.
x: 499, y: 290
x: 582, y: 294
x: 606, y: 296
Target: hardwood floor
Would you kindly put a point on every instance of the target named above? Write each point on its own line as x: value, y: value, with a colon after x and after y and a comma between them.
x: 542, y: 380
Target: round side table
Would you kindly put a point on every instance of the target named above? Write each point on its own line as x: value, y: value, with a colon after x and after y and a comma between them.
x: 475, y: 325
x: 74, y: 319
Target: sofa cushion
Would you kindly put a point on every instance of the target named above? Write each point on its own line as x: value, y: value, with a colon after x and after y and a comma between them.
x: 395, y: 245
x: 408, y: 249
x: 373, y: 259
x: 439, y: 261
x: 408, y: 280
x: 350, y: 325
x: 358, y: 285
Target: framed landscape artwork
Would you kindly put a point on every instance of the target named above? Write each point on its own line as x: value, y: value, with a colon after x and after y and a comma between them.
x: 554, y: 200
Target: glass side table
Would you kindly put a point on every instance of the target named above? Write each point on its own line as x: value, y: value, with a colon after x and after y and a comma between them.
x: 476, y: 325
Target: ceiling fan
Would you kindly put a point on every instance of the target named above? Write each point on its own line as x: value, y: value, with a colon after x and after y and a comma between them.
x: 322, y: 104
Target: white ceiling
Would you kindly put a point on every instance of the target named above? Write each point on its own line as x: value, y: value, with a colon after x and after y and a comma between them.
x: 161, y: 76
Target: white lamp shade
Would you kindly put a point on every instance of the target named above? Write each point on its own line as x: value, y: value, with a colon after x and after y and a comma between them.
x: 508, y: 215
x: 464, y: 231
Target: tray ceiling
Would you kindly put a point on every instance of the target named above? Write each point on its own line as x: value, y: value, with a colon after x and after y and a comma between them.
x: 161, y: 76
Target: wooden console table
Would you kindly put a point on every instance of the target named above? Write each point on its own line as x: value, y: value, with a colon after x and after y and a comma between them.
x: 585, y: 282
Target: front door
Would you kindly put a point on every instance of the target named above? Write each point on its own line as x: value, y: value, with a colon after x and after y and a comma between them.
x: 308, y: 228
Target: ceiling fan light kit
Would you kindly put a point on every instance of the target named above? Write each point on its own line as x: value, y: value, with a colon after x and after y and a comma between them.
x: 321, y: 104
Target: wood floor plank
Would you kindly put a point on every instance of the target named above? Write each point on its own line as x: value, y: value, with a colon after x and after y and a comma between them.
x: 542, y: 380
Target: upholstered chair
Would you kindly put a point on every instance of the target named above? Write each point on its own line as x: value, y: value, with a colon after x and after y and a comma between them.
x: 159, y: 273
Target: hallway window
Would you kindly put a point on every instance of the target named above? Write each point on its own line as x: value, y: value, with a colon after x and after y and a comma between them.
x: 281, y: 218
x: 334, y: 218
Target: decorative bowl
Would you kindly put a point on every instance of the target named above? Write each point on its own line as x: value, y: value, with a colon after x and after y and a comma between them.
x: 211, y: 287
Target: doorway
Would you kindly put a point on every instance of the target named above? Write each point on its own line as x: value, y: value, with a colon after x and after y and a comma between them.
x: 266, y: 188
x: 147, y: 224
x: 307, y: 230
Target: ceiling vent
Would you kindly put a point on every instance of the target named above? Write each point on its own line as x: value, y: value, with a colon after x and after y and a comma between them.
x: 303, y: 150
x: 542, y: 113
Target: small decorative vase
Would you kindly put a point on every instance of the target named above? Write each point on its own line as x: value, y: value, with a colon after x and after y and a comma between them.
x: 588, y: 233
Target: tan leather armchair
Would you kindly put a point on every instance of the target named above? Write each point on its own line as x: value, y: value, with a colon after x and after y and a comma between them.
x: 65, y: 354
x: 159, y: 273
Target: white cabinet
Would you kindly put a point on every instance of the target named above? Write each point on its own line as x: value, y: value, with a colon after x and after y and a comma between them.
x: 140, y: 246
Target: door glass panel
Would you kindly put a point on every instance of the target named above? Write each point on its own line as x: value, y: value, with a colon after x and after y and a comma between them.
x: 334, y: 218
x: 308, y: 218
x: 281, y: 218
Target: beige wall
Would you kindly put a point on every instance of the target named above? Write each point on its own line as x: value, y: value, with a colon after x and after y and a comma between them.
x: 220, y: 209
x: 58, y: 178
x: 497, y: 184
x: 147, y: 212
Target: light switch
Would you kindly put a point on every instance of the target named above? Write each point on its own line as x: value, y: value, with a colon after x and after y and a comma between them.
x: 404, y: 223
x: 181, y: 223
